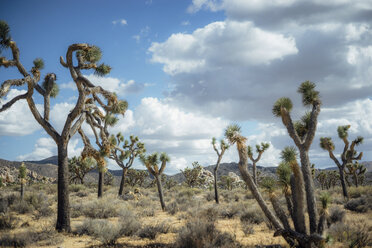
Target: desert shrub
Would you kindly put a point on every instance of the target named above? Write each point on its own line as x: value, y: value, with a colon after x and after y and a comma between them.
x: 232, y: 210
x: 102, y: 230
x: 209, y: 213
x: 44, y: 211
x: 76, y: 209
x: 76, y: 187
x: 128, y: 222
x: 22, y: 207
x: 101, y: 208
x: 144, y: 202
x: 253, y: 216
x: 200, y: 233
x: 37, y: 201
x: 15, y: 240
x: 149, y: 212
x: 209, y: 196
x: 359, y: 205
x: 8, y: 221
x: 353, y: 234
x: 7, y: 200
x: 172, y: 208
x: 150, y: 231
x: 336, y: 214
x: 247, y: 228
x: 360, y: 191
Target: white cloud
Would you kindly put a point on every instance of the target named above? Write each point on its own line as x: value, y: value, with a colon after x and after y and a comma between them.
x: 46, y: 147
x: 185, y: 23
x: 144, y: 32
x: 115, y: 85
x: 17, y: 120
x: 219, y: 44
x: 122, y: 22
x: 70, y: 85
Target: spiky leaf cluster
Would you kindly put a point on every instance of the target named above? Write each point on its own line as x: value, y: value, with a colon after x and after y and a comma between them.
x: 111, y: 120
x: 233, y: 133
x: 22, y: 171
x: 4, y: 35
x: 102, y: 70
x: 164, y: 157
x: 91, y: 55
x: 263, y: 147
x: 250, y: 152
x: 54, y: 89
x: 38, y: 63
x: 359, y: 140
x: 325, y: 199
x: 120, y: 107
x: 289, y: 154
x: 302, y: 126
x: 269, y: 184
x: 326, y: 143
x: 283, y: 102
x: 309, y: 94
x: 284, y: 172
x: 343, y: 131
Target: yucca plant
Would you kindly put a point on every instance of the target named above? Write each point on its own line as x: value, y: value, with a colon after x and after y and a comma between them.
x: 348, y: 155
x: 22, y: 178
x: 302, y: 133
x: 152, y: 164
x: 79, y: 167
x: 260, y: 149
x: 124, y: 153
x: 223, y: 147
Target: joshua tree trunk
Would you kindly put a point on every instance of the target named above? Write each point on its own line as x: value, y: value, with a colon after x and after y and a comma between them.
x: 215, y: 186
x: 298, y: 199
x: 288, y: 199
x: 63, y: 209
x: 355, y: 179
x: 160, y: 190
x: 122, y: 182
x: 254, y: 170
x: 279, y: 211
x: 82, y: 180
x: 321, y: 223
x: 22, y: 190
x: 310, y: 190
x: 100, y: 183
x: 343, y: 183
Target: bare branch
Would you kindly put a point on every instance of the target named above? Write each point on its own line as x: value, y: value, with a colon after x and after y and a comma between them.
x: 287, y: 121
x: 312, y: 126
x: 11, y: 102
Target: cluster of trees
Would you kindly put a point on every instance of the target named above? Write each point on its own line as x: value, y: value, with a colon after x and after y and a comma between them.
x: 100, y: 109
x: 95, y: 106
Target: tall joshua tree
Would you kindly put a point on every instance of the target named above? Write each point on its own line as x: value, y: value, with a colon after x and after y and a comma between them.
x: 302, y: 132
x: 220, y: 153
x: 356, y: 171
x: 128, y: 152
x: 87, y: 57
x: 348, y: 154
x: 22, y: 178
x: 260, y: 149
x: 152, y: 164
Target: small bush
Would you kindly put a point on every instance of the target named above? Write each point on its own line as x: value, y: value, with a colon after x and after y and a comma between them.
x: 129, y: 223
x: 200, y: 233
x: 15, y: 240
x: 253, y: 216
x: 336, y: 214
x: 353, y: 234
x: 101, y: 208
x: 44, y: 211
x: 172, y: 208
x: 22, y: 207
x: 247, y: 229
x: 81, y: 194
x: 8, y: 221
x: 149, y: 212
x: 231, y: 211
x: 151, y: 232
x: 210, y: 196
x: 359, y: 205
x: 102, y: 230
x: 37, y: 201
x: 76, y: 187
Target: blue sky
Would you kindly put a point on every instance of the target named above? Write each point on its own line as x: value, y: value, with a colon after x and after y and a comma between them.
x: 189, y: 68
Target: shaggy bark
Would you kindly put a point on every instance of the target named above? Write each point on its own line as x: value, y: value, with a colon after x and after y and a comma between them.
x: 160, y: 191
x: 122, y: 182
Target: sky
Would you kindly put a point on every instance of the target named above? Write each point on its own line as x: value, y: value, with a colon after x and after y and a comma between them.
x: 189, y: 68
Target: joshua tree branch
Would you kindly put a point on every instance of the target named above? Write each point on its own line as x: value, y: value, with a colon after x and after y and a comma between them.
x: 312, y: 125
x: 11, y: 102
x: 287, y: 121
x: 77, y: 124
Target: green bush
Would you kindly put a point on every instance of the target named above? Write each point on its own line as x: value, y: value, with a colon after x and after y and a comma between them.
x: 150, y: 231
x: 8, y: 221
x: 359, y: 205
x: 253, y: 216
x: 336, y: 214
x: 355, y: 235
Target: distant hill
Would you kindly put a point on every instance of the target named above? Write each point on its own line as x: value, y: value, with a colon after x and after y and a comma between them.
x: 48, y: 167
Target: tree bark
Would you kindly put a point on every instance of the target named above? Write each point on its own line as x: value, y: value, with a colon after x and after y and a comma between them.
x: 298, y: 203
x: 343, y: 183
x: 63, y: 204
x: 160, y: 190
x: 289, y: 204
x: 122, y: 182
x: 100, y: 183
x: 310, y: 190
x: 254, y: 170
x: 215, y: 185
x: 22, y: 190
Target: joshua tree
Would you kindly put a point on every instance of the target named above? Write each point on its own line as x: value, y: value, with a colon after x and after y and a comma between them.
x: 233, y: 135
x: 223, y: 148
x: 136, y: 177
x: 87, y: 57
x: 79, y: 167
x: 356, y: 171
x: 348, y: 154
x: 325, y: 199
x: 302, y: 132
x: 152, y: 164
x: 108, y: 178
x: 260, y: 149
x: 22, y: 178
x: 128, y: 152
x: 284, y: 178
x: 192, y: 175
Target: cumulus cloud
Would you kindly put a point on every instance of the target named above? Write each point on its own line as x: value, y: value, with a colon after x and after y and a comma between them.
x: 218, y: 44
x: 18, y: 120
x: 46, y: 147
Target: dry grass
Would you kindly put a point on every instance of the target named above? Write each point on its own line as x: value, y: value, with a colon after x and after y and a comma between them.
x: 235, y: 222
